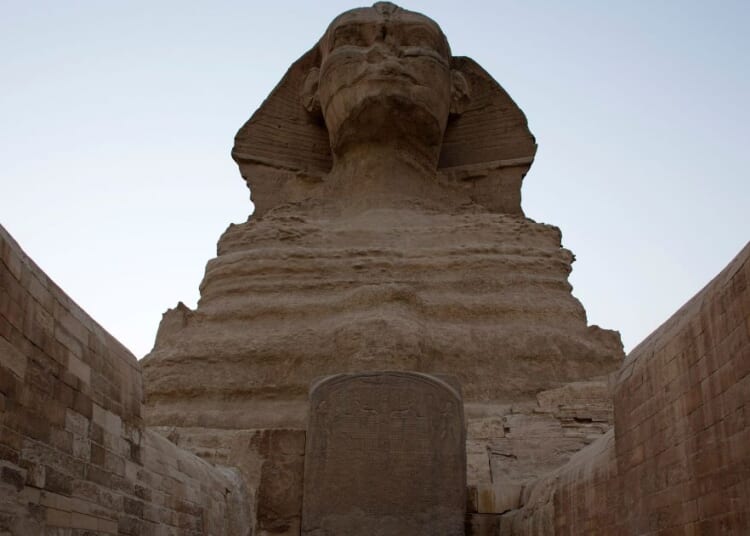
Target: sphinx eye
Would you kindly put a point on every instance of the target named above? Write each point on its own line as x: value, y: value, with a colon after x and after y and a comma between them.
x: 419, y: 37
x: 348, y: 36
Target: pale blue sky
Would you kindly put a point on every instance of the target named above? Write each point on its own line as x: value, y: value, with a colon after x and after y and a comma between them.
x: 117, y: 118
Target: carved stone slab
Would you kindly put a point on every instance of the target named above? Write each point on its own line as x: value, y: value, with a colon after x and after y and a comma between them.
x: 385, y: 455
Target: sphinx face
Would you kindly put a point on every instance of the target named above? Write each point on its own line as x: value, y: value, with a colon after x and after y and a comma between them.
x: 384, y: 76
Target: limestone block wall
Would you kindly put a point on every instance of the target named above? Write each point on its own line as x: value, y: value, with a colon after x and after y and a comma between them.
x: 591, y: 474
x: 75, y: 457
x: 682, y: 416
x: 678, y: 461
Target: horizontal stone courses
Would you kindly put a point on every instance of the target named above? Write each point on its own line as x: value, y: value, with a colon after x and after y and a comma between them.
x: 481, y: 234
x: 444, y: 172
x: 550, y: 249
x: 470, y: 285
x: 42, y: 453
x: 486, y: 166
x: 270, y: 150
x: 387, y: 272
x: 276, y: 343
x: 253, y: 264
x: 354, y: 306
x: 361, y: 227
x: 313, y: 161
x: 482, y: 130
x: 296, y: 138
x: 484, y: 146
x: 353, y: 312
x: 194, y: 408
x: 310, y: 288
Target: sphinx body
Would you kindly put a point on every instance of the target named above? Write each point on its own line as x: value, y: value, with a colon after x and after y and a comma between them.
x: 387, y: 235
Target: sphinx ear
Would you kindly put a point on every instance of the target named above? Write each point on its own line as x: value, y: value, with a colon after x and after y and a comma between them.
x: 309, y: 92
x: 460, y: 92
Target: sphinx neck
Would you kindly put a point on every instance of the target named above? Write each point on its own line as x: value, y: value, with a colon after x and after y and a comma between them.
x: 370, y: 175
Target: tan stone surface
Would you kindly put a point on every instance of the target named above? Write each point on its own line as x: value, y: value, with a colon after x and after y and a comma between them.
x: 512, y: 445
x: 385, y: 455
x: 482, y: 296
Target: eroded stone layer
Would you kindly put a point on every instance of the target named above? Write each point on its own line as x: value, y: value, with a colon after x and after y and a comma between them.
x: 297, y: 294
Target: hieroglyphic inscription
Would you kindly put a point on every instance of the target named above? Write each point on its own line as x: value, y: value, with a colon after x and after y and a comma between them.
x: 385, y: 451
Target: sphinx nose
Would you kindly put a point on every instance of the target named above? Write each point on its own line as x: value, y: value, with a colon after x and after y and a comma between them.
x: 380, y: 51
x: 377, y: 52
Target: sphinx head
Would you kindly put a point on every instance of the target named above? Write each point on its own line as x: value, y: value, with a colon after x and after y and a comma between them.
x: 385, y: 77
x: 380, y: 102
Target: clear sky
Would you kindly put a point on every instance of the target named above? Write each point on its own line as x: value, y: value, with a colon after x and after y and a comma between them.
x: 117, y: 118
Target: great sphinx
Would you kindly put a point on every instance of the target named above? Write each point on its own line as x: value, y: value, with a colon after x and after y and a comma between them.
x: 387, y: 234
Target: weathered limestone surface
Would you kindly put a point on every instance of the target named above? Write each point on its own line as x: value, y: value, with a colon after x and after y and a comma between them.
x: 75, y: 457
x: 509, y: 448
x: 678, y: 460
x: 385, y: 455
x: 478, y: 295
x: 388, y: 235
x: 382, y: 263
x: 583, y: 497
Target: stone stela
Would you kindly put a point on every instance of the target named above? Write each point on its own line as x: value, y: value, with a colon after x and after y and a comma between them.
x: 385, y: 455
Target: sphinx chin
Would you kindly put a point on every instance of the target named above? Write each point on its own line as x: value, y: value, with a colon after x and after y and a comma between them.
x: 390, y: 117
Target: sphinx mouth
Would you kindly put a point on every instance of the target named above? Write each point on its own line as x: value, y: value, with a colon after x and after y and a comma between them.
x: 389, y: 77
x: 387, y: 72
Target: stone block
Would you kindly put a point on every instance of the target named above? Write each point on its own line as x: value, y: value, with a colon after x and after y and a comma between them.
x: 106, y: 526
x: 12, y: 359
x: 78, y: 368
x: 58, y: 518
x: 109, y: 422
x: 12, y: 475
x: 55, y: 500
x: 76, y: 423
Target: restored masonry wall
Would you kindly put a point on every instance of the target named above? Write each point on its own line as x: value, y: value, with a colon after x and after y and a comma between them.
x: 74, y: 453
x: 678, y: 461
x: 682, y: 415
